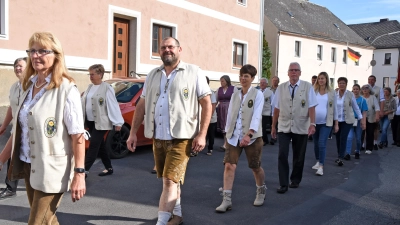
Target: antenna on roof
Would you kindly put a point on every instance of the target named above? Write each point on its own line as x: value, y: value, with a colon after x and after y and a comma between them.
x: 290, y: 14
x: 337, y: 26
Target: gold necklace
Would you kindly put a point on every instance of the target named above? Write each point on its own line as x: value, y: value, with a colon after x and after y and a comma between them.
x: 40, y: 85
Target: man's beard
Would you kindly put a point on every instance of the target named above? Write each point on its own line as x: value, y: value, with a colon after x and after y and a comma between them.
x: 168, y: 61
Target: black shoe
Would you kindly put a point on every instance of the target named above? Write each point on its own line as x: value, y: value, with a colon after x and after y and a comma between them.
x: 362, y: 148
x: 385, y: 144
x: 375, y: 147
x: 193, y: 154
x: 265, y: 143
x: 293, y: 185
x: 357, y: 155
x: 380, y: 146
x: 7, y: 194
x: 272, y: 142
x: 339, y: 162
x: 282, y: 189
x: 153, y: 171
x: 310, y: 138
x: 347, y: 157
x: 106, y: 172
x: 209, y: 152
x: 223, y: 148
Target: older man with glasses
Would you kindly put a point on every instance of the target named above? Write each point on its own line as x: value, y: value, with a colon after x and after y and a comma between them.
x: 294, y: 103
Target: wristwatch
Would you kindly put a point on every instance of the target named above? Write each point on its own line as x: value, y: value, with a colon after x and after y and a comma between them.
x: 79, y: 170
x: 250, y: 135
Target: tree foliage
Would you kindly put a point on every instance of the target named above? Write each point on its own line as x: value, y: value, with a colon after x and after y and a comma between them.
x: 266, y: 59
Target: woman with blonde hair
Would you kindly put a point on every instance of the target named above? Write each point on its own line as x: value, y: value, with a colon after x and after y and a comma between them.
x: 325, y: 118
x: 48, y: 145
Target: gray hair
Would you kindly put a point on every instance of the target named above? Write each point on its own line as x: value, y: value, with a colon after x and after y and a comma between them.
x: 295, y: 63
x: 263, y: 78
x: 371, y: 92
x: 275, y: 77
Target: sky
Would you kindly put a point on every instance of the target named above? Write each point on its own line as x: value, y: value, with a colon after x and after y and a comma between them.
x: 362, y: 11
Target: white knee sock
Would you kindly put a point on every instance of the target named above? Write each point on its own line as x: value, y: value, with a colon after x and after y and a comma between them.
x: 163, y: 218
x: 177, y: 208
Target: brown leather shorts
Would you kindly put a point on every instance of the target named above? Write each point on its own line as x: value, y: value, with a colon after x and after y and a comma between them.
x: 253, y: 153
x: 171, y: 158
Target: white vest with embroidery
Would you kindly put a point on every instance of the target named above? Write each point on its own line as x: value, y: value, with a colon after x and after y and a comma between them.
x: 99, y: 107
x: 247, y: 113
x: 52, y: 160
x: 267, y: 102
x: 183, y: 104
x: 293, y: 114
x: 348, y: 108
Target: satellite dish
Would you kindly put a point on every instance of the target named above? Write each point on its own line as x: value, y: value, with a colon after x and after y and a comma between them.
x: 373, y: 62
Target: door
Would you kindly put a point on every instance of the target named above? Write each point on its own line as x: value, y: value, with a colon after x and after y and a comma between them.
x: 121, y: 48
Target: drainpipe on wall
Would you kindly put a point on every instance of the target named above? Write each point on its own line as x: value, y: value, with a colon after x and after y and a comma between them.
x: 260, y: 55
x: 277, y: 53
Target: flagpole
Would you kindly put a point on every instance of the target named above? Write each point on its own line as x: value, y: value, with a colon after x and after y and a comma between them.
x: 347, y: 53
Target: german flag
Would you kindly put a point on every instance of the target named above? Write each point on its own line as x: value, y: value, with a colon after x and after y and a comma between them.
x: 353, y: 55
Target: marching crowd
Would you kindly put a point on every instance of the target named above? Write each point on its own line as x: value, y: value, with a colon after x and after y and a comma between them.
x: 47, y: 148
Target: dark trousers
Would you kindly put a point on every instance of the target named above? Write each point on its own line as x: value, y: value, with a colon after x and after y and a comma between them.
x: 369, y: 135
x: 299, y: 146
x: 266, y: 121
x: 396, y: 128
x: 96, y: 147
x: 11, y: 184
x: 341, y: 138
x: 211, y: 135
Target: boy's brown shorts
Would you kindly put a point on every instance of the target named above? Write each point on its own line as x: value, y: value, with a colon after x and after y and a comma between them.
x: 171, y: 158
x: 253, y: 153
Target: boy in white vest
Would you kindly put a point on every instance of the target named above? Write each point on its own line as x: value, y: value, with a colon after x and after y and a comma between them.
x: 378, y: 91
x: 243, y: 131
x: 294, y: 103
x: 170, y: 108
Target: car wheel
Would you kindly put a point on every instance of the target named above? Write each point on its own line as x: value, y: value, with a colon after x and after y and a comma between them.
x: 116, y: 143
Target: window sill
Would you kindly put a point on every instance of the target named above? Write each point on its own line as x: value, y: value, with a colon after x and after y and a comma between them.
x: 386, y: 64
x: 242, y: 4
x: 236, y: 68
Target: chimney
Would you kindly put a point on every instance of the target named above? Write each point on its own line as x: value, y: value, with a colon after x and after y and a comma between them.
x: 384, y: 20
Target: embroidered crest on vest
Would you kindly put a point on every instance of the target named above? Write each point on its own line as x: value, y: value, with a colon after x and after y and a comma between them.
x: 330, y: 104
x: 185, y: 93
x: 266, y: 99
x: 350, y: 103
x: 50, y: 127
x: 303, y: 103
x: 101, y: 101
x: 250, y: 103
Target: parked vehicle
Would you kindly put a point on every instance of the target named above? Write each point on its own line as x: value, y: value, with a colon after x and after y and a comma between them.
x: 127, y: 92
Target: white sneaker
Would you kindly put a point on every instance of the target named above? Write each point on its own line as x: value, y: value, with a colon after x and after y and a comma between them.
x: 316, y: 166
x: 320, y: 171
x: 368, y: 152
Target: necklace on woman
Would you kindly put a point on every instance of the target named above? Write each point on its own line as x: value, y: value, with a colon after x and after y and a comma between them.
x: 40, y: 85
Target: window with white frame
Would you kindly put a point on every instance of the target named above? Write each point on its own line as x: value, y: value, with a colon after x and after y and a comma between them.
x: 3, y: 22
x: 333, y: 55
x: 239, y: 54
x: 297, y: 48
x: 388, y: 58
x: 355, y: 82
x: 319, y: 52
x: 242, y: 2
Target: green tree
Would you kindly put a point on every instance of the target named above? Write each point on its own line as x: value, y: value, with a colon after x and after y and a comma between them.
x: 266, y: 59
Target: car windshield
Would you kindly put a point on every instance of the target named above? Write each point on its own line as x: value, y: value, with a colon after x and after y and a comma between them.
x: 125, y: 90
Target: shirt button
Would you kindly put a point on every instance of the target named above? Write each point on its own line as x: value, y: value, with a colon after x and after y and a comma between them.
x: 30, y: 113
x: 32, y: 142
x: 31, y: 128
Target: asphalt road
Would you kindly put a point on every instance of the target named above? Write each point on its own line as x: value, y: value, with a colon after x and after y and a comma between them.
x: 365, y: 191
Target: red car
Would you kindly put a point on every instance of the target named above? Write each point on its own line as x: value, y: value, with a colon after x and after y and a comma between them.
x: 127, y: 92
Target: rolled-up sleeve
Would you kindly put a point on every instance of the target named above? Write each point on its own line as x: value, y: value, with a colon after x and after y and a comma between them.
x: 113, y: 110
x: 312, y: 98
x: 203, y: 89
x: 73, y: 115
x: 257, y: 114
